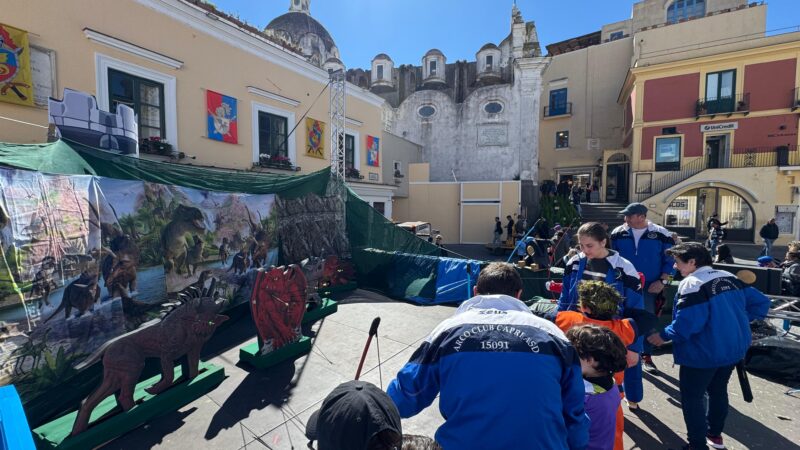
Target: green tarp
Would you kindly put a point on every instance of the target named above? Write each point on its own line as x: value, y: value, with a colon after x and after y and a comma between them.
x: 64, y: 157
x: 57, y: 157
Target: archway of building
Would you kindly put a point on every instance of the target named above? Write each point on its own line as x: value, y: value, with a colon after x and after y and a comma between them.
x: 688, y: 212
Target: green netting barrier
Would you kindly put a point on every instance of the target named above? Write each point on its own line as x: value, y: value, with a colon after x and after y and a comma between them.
x: 376, y: 243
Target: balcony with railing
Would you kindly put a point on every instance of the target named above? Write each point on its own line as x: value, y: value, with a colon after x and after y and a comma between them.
x: 748, y: 157
x: 563, y: 109
x: 728, y: 105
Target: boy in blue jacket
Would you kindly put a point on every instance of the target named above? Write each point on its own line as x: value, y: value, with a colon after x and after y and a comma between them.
x: 710, y: 333
x: 505, y: 378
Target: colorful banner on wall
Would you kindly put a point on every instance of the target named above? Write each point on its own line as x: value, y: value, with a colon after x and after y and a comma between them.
x: 373, y: 151
x: 222, y: 118
x: 16, y: 85
x: 315, y: 138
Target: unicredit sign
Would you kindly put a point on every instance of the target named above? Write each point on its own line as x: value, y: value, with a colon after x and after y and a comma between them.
x: 705, y: 128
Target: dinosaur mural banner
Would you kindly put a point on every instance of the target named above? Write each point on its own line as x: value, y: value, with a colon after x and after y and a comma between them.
x: 16, y: 82
x: 87, y: 259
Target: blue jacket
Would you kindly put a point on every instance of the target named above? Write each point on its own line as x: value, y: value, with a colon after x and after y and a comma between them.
x: 711, y: 319
x: 623, y: 276
x: 649, y: 256
x: 507, y: 379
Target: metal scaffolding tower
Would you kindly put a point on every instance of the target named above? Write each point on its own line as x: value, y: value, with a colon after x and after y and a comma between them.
x: 337, y: 123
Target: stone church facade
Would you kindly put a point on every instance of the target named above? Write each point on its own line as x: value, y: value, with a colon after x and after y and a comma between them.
x: 475, y: 120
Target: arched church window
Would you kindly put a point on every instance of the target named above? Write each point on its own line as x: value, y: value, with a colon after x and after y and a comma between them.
x: 685, y: 9
x: 426, y: 111
x: 493, y: 107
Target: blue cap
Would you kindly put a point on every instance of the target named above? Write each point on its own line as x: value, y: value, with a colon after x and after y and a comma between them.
x: 634, y: 208
x: 764, y: 260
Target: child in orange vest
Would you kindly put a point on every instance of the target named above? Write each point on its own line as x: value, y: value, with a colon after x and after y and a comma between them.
x: 600, y: 304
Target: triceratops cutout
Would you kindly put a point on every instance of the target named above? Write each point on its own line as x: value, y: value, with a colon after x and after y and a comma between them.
x: 278, y: 303
x: 182, y: 331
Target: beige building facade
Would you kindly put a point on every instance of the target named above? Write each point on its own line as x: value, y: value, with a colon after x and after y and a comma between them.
x: 463, y: 212
x: 181, y: 49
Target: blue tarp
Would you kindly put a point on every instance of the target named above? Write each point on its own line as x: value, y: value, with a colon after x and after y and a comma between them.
x: 452, y: 278
x: 14, y: 431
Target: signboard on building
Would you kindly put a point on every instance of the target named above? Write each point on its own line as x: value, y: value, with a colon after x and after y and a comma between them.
x: 725, y: 126
x: 679, y: 204
x: 43, y: 71
x: 493, y: 135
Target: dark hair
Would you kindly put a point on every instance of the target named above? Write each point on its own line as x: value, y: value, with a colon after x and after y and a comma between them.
x: 508, y: 217
x: 385, y: 440
x: 723, y: 252
x: 691, y: 250
x: 601, y: 344
x: 599, y: 297
x: 417, y: 442
x: 499, y: 278
x: 595, y: 231
x: 496, y: 218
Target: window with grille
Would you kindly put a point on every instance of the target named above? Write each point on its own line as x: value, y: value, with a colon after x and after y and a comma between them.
x: 272, y: 139
x: 145, y: 97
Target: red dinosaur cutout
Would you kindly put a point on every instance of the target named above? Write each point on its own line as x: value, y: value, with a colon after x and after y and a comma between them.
x: 278, y: 302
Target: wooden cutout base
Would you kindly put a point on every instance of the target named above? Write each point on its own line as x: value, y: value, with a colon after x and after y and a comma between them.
x: 55, y: 434
x: 327, y: 308
x: 250, y: 353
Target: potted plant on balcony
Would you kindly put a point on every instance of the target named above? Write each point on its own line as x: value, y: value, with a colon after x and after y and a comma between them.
x: 352, y: 172
x: 275, y: 161
x: 155, y: 145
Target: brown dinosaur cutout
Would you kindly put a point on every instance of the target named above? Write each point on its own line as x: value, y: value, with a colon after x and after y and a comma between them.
x: 183, y: 331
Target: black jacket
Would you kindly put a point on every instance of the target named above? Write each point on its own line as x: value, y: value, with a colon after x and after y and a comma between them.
x: 790, y: 280
x: 769, y: 231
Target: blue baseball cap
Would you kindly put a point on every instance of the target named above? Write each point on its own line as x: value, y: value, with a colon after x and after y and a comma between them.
x: 633, y: 209
x: 764, y: 260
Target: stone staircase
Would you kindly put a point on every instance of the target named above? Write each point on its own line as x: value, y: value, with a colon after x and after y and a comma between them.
x: 603, y: 213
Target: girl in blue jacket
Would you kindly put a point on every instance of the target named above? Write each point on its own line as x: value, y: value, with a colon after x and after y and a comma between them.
x: 597, y: 262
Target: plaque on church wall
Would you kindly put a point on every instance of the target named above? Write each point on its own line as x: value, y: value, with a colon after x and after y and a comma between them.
x: 493, y: 135
x: 43, y: 72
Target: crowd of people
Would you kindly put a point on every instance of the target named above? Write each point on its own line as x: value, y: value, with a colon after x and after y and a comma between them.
x: 556, y: 375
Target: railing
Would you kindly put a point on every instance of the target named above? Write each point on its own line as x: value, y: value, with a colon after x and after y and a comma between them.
x: 784, y: 155
x: 796, y: 99
x: 739, y: 103
x: 559, y: 110
x: 780, y: 156
x: 672, y: 178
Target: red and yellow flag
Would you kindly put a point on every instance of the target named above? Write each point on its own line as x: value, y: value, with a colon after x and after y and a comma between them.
x: 16, y: 82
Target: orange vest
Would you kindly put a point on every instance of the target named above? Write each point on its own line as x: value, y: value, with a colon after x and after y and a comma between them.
x: 621, y: 327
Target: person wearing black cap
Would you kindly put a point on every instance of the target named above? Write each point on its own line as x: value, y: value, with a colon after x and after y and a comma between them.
x: 644, y: 244
x: 356, y: 415
x: 505, y: 378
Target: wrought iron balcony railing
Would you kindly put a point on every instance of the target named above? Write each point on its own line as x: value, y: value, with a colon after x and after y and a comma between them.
x: 558, y: 110
x: 709, y: 106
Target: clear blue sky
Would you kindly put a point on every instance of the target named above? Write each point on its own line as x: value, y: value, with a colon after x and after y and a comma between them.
x: 406, y: 29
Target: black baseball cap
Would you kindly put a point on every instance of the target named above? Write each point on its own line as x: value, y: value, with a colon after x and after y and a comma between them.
x: 351, y: 415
